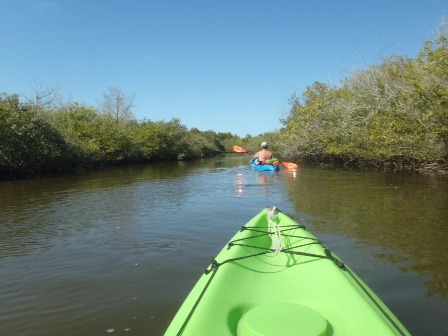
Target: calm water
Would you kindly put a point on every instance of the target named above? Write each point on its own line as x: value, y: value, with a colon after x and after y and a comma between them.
x: 115, y: 252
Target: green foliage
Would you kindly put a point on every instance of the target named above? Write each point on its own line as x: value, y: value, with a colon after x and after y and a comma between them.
x: 253, y: 143
x: 28, y: 143
x: 161, y: 140
x: 395, y: 110
x: 64, y: 138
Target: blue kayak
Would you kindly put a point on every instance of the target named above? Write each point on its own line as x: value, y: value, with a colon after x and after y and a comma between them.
x: 258, y: 166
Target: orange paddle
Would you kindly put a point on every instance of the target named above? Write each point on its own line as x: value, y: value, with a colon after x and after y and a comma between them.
x: 288, y: 165
x: 239, y: 149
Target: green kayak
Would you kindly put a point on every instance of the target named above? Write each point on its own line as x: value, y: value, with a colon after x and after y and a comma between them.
x: 275, y: 278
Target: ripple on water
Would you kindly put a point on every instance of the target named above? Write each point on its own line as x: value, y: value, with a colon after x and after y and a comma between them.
x: 74, y: 251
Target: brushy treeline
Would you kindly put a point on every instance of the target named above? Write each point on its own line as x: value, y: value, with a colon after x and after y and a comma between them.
x: 37, y: 140
x: 394, y: 112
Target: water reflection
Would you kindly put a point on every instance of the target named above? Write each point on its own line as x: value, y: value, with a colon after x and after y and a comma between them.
x: 75, y: 251
x: 35, y: 211
x: 262, y: 180
x: 406, y: 215
x: 239, y: 184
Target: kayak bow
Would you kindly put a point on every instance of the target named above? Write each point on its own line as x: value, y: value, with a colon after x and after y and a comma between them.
x: 275, y: 278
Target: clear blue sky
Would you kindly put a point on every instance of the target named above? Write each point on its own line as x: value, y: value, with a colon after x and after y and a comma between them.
x: 223, y: 65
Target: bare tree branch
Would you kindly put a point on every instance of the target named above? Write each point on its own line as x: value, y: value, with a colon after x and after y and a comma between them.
x: 43, y: 97
x: 117, y: 104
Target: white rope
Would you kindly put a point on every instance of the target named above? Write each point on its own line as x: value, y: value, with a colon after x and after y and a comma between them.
x: 274, y: 231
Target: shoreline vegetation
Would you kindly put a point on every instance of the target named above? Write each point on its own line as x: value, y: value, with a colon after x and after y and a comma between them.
x: 391, y: 116
x: 42, y: 140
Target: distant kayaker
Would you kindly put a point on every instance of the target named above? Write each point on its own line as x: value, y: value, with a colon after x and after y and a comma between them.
x: 264, y: 154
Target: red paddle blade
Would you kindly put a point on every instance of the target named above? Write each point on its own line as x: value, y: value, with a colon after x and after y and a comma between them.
x: 291, y: 165
x: 239, y: 149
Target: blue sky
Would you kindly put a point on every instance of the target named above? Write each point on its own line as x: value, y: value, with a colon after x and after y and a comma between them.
x: 221, y: 65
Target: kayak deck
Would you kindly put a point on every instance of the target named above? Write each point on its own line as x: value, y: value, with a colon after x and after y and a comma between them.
x: 262, y: 167
x: 275, y: 278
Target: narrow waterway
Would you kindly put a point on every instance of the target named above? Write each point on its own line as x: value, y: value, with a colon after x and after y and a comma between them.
x: 115, y: 252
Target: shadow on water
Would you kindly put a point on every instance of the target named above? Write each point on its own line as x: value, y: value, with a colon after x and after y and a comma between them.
x: 404, y: 214
x: 119, y: 249
x: 36, y: 210
x: 96, y: 252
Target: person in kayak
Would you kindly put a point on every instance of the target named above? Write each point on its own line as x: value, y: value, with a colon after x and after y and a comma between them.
x: 264, y: 155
